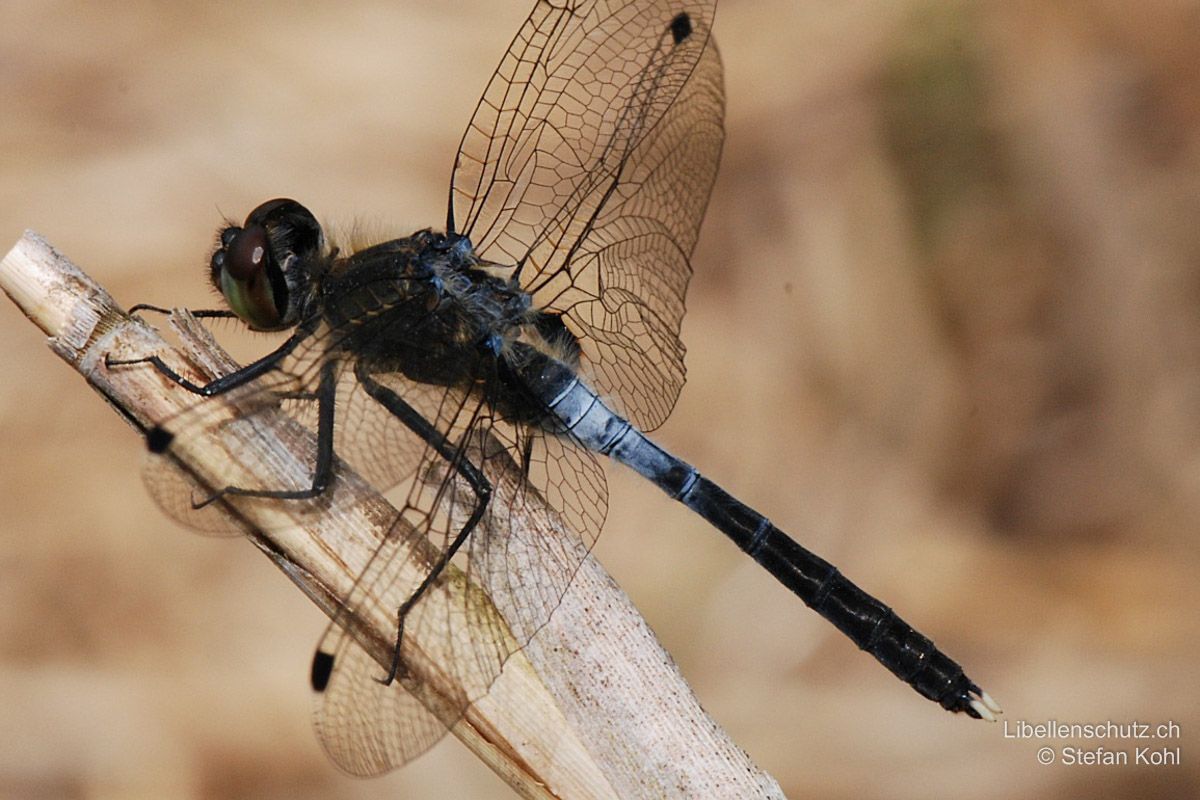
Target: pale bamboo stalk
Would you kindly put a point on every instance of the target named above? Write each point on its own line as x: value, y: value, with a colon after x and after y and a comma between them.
x: 592, y: 708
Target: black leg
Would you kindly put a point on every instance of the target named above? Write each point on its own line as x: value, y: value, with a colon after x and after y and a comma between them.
x: 200, y: 313
x: 526, y: 456
x: 225, y: 383
x: 463, y: 466
x: 159, y: 439
x: 326, y: 396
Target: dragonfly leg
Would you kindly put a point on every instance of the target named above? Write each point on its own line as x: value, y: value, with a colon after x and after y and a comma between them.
x: 199, y: 313
x: 461, y: 465
x: 220, y: 385
x: 325, y: 396
x: 162, y: 367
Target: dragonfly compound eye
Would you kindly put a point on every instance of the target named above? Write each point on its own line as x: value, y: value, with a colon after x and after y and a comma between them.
x: 248, y: 277
x: 291, y: 227
x: 250, y: 267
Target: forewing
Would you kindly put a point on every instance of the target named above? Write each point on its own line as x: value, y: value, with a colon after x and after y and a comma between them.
x: 283, y: 401
x: 547, y: 503
x: 237, y: 422
x: 588, y: 165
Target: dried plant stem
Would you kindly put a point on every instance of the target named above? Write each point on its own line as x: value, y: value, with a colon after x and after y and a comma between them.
x: 593, y: 707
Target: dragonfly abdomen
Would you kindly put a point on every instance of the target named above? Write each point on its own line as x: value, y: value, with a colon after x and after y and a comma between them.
x: 869, y: 623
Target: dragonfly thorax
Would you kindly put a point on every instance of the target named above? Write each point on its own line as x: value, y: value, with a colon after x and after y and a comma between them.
x: 424, y: 305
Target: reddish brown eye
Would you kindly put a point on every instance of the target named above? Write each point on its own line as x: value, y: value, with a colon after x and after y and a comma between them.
x: 245, y: 273
x: 250, y: 265
x: 247, y: 254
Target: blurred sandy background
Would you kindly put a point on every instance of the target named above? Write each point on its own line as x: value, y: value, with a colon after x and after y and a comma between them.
x: 944, y: 328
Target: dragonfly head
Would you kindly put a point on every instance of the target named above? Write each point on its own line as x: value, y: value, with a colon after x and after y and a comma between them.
x: 253, y: 267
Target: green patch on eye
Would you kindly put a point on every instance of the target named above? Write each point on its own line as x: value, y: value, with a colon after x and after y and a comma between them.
x: 251, y: 301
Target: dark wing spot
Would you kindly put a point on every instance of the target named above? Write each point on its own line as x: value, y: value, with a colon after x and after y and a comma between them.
x: 681, y: 27
x: 158, y: 440
x: 322, y: 668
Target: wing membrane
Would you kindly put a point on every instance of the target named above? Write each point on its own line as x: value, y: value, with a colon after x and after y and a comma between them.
x: 542, y: 518
x: 581, y: 153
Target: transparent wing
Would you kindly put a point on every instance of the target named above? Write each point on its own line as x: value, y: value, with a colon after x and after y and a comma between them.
x: 549, y: 502
x: 588, y: 164
x: 177, y: 493
x: 548, y: 499
x: 234, y: 422
x: 374, y: 443
x: 368, y: 728
x: 586, y: 168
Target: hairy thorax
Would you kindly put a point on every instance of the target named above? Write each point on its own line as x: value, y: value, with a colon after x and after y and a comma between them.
x: 427, y: 307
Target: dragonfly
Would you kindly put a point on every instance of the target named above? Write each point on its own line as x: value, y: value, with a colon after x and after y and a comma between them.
x: 536, y: 335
